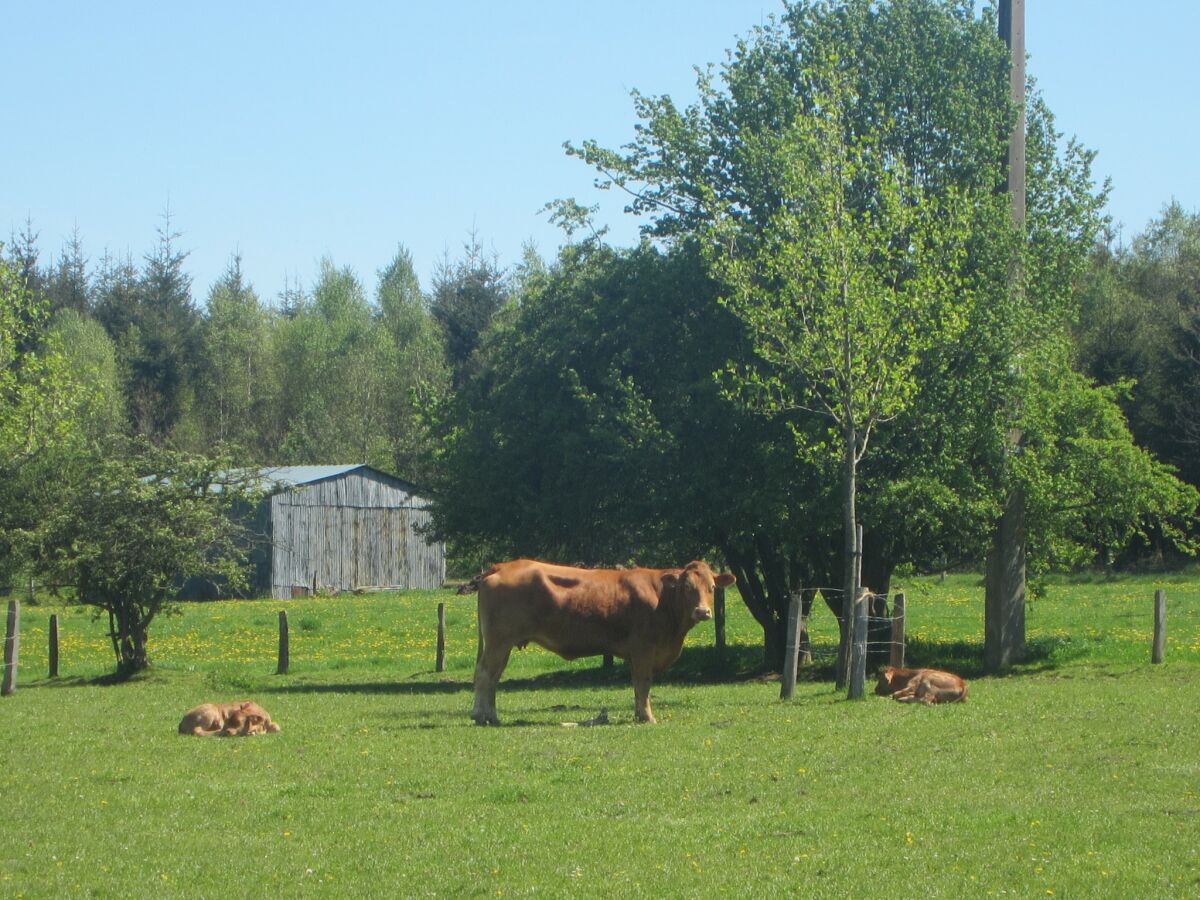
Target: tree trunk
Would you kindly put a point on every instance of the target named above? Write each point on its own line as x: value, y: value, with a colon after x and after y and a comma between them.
x: 850, y: 543
x: 134, y: 658
x: 1004, y: 594
x: 767, y: 596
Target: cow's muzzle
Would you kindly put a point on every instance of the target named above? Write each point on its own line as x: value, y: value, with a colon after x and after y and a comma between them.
x: 702, y: 614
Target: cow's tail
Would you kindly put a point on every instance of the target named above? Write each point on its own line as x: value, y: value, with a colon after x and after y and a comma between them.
x: 470, y: 587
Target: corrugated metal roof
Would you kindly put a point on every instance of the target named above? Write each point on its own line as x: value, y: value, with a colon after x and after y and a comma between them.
x: 285, y: 477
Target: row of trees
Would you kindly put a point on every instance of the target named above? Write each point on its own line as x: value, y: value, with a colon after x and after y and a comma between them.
x: 832, y: 321
x: 327, y: 373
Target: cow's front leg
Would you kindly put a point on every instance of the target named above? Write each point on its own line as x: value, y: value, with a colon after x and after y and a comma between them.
x: 643, y: 672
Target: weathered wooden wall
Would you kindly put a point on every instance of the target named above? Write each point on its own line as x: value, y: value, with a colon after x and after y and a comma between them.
x: 354, y: 531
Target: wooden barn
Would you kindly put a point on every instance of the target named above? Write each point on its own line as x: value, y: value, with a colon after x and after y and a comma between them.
x: 344, y: 528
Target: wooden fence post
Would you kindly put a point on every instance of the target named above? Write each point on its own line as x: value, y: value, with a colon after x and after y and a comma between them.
x: 54, y: 646
x: 441, y: 640
x: 607, y: 662
x: 791, y: 650
x: 1160, y: 626
x: 897, y: 657
x: 858, y: 649
x: 719, y: 619
x: 284, y: 649
x: 12, y: 643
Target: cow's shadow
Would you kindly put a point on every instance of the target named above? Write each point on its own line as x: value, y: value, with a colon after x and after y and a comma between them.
x: 698, y: 665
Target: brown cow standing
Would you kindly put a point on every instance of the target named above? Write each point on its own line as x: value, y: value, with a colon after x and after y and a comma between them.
x: 640, y: 615
x: 926, y: 686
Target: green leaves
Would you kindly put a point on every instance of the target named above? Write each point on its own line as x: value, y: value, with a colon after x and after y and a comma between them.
x: 853, y: 278
x: 137, y: 525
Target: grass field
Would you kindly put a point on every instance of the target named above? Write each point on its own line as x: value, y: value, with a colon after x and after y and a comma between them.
x: 1078, y: 775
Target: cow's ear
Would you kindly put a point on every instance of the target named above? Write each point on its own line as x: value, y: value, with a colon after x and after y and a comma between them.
x: 670, y: 580
x: 725, y: 579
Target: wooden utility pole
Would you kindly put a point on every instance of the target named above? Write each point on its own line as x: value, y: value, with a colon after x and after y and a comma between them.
x: 1012, y: 32
x: 1004, y: 594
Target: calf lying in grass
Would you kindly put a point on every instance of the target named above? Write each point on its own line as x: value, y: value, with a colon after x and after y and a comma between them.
x: 227, y: 720
x: 926, y: 686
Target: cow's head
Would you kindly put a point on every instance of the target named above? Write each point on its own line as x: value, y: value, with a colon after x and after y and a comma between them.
x: 694, y: 588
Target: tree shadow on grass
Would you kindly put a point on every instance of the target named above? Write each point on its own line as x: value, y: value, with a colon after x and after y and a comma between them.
x: 1042, y: 654
x: 109, y: 679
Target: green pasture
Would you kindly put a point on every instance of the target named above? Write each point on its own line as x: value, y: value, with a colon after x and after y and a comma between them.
x: 1077, y: 775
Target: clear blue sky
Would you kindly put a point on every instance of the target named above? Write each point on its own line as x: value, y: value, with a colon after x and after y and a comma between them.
x: 292, y: 131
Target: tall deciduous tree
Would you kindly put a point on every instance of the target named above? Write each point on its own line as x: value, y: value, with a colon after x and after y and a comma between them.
x: 415, y: 363
x: 852, y: 280
x: 38, y: 413
x: 931, y: 111
x: 333, y: 358
x: 236, y: 373
x: 90, y: 357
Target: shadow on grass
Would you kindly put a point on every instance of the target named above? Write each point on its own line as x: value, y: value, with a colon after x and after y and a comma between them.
x: 697, y: 665
x: 1043, y: 654
x: 108, y: 679
x: 703, y: 665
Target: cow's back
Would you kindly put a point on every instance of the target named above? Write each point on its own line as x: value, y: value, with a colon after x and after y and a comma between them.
x: 573, y: 612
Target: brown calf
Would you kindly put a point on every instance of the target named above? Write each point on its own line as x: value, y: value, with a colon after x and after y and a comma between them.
x: 926, y: 686
x: 227, y: 720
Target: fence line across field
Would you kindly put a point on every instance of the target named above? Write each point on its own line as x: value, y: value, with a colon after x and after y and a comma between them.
x: 799, y: 649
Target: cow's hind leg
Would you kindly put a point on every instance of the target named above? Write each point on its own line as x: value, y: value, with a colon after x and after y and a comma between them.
x: 488, y: 668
